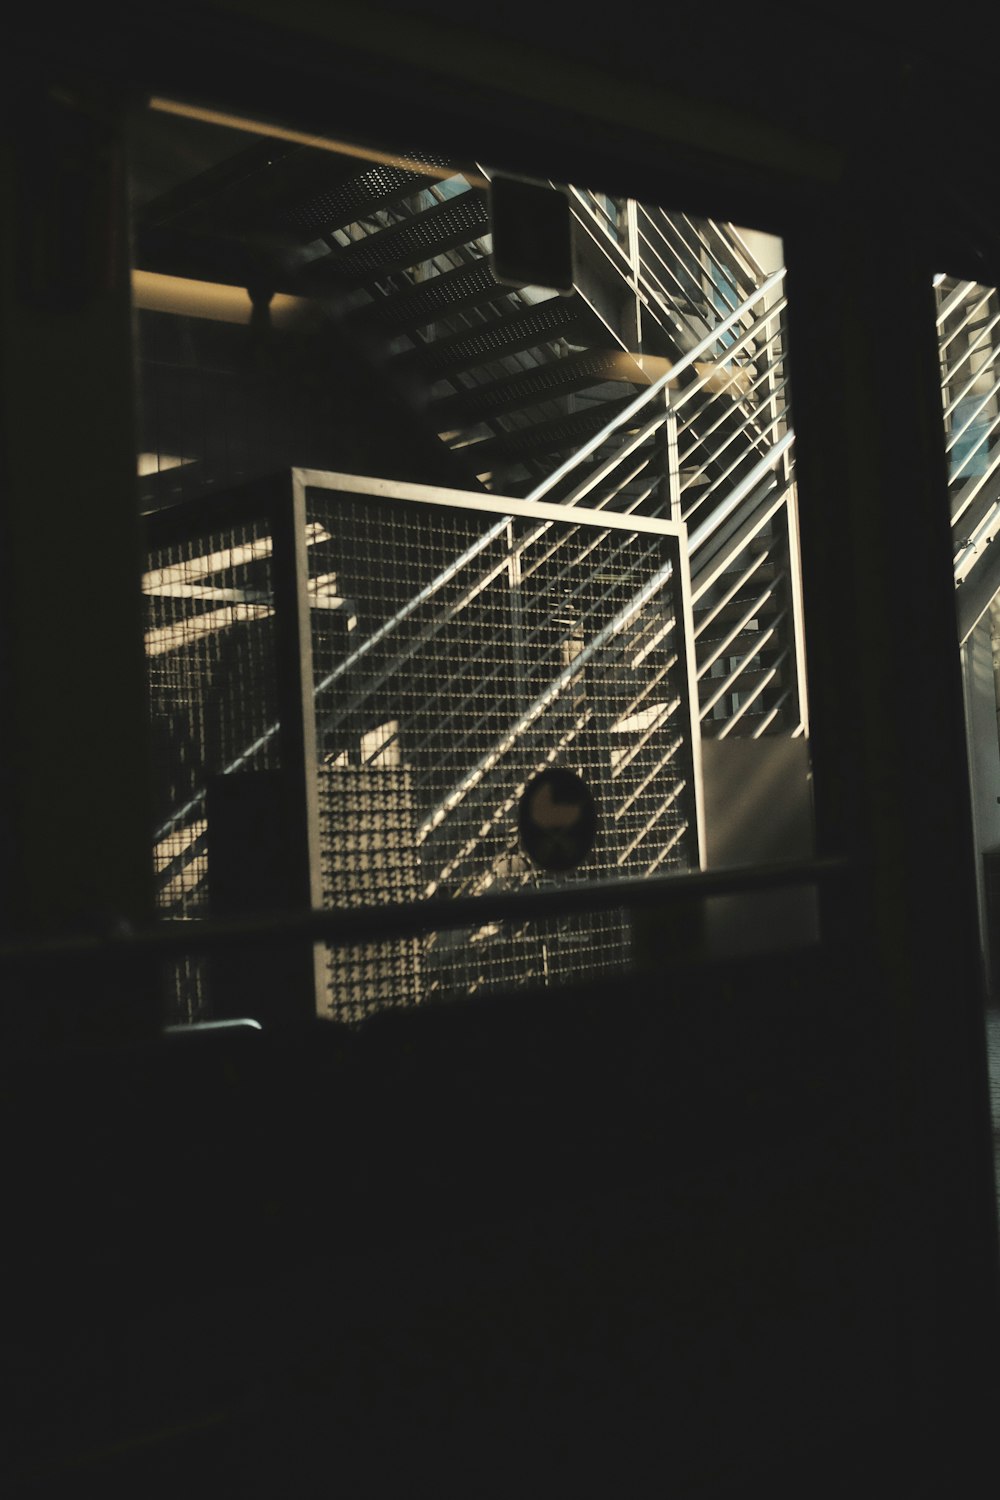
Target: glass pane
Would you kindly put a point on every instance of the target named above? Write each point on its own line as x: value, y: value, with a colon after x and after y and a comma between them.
x: 571, y: 541
x: 211, y: 672
x: 968, y: 317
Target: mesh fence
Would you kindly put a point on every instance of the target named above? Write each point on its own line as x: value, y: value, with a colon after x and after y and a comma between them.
x: 211, y: 672
x: 459, y: 653
x: 456, y: 653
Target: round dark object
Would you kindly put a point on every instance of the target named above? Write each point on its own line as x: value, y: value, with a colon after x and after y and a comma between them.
x: 557, y: 819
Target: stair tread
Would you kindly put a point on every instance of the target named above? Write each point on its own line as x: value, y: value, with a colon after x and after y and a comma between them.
x: 341, y: 201
x: 551, y: 436
x: 745, y: 683
x: 513, y: 333
x: 463, y: 288
x: 766, y: 576
x: 555, y: 377
x: 707, y: 642
x: 455, y: 222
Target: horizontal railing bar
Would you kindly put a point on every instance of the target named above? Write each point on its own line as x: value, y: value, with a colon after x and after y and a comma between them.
x: 971, y: 313
x: 634, y: 407
x: 983, y: 341
x: 701, y: 533
x: 768, y: 678
x: 637, y: 500
x: 987, y: 369
x: 728, y: 684
x: 701, y: 440
x: 772, y: 498
x: 672, y: 307
x: 730, y: 302
x: 984, y: 437
x: 737, y: 247
x: 977, y: 544
x: 952, y: 300
x: 755, y: 443
x: 740, y: 407
x: 680, y: 246
x: 772, y: 714
x: 690, y: 391
x: 611, y: 463
x: 971, y: 489
x: 960, y: 432
x: 345, y: 926
x: 702, y: 625
x: 723, y: 646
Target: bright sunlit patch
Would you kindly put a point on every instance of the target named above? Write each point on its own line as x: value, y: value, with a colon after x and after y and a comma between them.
x: 185, y: 297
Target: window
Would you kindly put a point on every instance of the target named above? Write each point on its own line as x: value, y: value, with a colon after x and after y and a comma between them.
x: 533, y: 529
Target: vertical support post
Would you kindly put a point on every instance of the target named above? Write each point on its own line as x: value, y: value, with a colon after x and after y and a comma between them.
x: 677, y: 931
x: 889, y: 764
x: 297, y: 733
x: 628, y: 240
x: 686, y: 656
x: 632, y: 235
x: 673, y: 460
x: 791, y: 509
x: 74, y: 762
x: 517, y: 619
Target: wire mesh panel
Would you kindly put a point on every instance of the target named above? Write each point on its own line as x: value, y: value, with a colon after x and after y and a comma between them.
x: 462, y: 651
x: 211, y: 673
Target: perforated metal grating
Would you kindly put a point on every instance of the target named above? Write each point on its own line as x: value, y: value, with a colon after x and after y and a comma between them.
x: 552, y: 643
x: 546, y: 321
x: 467, y: 286
x: 339, y: 204
x: 440, y: 228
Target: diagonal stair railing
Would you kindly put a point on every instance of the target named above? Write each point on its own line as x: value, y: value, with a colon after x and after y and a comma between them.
x: 599, y: 488
x: 643, y: 420
x: 968, y: 321
x: 705, y: 443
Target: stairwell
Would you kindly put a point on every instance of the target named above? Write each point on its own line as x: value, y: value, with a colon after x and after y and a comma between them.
x: 656, y: 389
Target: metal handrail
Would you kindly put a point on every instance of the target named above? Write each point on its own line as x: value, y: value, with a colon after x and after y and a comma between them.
x: 564, y: 470
x: 364, y: 923
x: 685, y: 363
x: 486, y: 763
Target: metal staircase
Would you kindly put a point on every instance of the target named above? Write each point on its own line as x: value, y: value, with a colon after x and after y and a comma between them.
x: 537, y: 396
x: 655, y: 390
